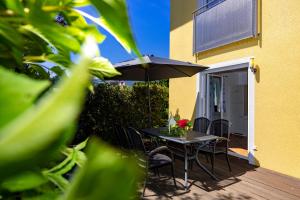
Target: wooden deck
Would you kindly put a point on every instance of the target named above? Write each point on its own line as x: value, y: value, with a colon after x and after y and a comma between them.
x: 238, y: 144
x: 244, y: 182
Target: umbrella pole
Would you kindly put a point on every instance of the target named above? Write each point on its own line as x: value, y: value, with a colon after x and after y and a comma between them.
x: 149, y: 99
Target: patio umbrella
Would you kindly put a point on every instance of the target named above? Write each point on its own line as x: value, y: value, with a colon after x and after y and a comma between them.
x: 152, y: 68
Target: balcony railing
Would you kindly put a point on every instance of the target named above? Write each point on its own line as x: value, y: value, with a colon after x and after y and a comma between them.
x: 223, y: 22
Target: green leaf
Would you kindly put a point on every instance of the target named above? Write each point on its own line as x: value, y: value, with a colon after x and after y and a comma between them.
x: 11, y: 45
x: 74, y: 156
x: 30, y: 28
x: 10, y: 34
x: 60, y: 59
x: 96, y: 33
x: 80, y: 159
x: 115, y: 20
x: 78, y: 21
x: 70, y: 156
x: 59, y: 181
x: 38, y: 71
x: 108, y: 170
x: 81, y: 145
x: 34, y: 45
x: 24, y: 181
x: 101, y: 67
x: 18, y: 93
x: 81, y: 32
x: 49, y: 29
x: 58, y: 70
x: 44, y: 192
x: 28, y: 139
x: 69, y: 166
x: 81, y: 2
x: 15, y: 5
x: 90, y: 48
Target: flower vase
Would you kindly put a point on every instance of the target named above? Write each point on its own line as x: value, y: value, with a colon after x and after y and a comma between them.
x: 182, y: 132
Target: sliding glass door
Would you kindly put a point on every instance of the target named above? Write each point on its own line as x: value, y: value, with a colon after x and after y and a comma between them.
x: 212, y: 103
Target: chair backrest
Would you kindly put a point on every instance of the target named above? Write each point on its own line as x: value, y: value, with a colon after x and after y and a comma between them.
x: 114, y: 138
x: 201, y: 124
x: 122, y: 137
x: 136, y: 139
x: 220, y: 127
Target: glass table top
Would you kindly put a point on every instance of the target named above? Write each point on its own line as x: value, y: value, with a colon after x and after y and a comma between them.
x: 189, y: 138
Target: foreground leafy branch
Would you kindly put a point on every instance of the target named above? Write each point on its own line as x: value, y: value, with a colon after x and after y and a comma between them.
x: 38, y: 119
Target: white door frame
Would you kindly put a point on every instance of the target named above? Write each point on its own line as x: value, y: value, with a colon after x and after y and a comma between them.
x: 228, y: 66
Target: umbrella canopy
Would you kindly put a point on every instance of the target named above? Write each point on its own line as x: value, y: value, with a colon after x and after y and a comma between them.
x: 151, y: 68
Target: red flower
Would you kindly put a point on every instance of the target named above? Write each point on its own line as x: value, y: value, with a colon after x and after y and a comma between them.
x: 182, y: 123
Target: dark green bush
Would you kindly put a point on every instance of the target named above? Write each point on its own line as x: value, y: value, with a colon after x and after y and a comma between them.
x: 122, y: 105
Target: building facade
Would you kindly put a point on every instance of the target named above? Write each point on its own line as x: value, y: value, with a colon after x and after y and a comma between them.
x: 252, y: 49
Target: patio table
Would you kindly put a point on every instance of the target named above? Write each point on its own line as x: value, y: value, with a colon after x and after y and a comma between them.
x: 192, y: 137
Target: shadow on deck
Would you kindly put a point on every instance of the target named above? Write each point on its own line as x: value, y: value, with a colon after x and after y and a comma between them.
x: 244, y: 182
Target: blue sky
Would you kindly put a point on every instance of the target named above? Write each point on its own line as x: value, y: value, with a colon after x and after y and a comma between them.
x: 150, y: 22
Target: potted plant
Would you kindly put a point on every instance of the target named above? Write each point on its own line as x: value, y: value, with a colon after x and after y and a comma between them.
x: 178, y: 128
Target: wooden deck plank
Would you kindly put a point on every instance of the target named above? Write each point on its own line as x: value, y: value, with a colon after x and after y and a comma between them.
x: 270, y: 181
x: 245, y: 182
x: 260, y: 189
x: 273, y: 181
x: 243, y: 188
x: 265, y: 191
x: 284, y: 178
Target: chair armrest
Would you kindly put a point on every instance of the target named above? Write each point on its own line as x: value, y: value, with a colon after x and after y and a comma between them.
x: 160, y: 149
x: 222, y: 139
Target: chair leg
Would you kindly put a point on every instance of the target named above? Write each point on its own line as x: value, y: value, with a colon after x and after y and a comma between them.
x: 173, y: 175
x: 212, y: 160
x: 158, y: 173
x: 206, y: 156
x: 191, y: 164
x: 145, y: 184
x: 228, y: 163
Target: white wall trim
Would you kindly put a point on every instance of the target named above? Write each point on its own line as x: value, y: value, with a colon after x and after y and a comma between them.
x: 233, y: 65
x: 251, y: 115
x: 197, y: 94
x: 230, y: 62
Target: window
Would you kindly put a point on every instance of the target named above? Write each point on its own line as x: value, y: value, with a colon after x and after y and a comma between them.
x: 221, y: 22
x: 212, y: 3
x: 205, y: 5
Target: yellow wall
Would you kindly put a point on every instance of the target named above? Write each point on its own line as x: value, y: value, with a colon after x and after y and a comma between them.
x: 277, y: 87
x: 182, y: 90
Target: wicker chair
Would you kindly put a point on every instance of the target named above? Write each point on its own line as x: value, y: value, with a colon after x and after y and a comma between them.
x: 201, y: 124
x: 219, y: 127
x: 121, y: 137
x: 152, y: 160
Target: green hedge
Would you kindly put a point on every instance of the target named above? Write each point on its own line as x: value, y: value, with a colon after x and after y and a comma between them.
x: 122, y: 105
